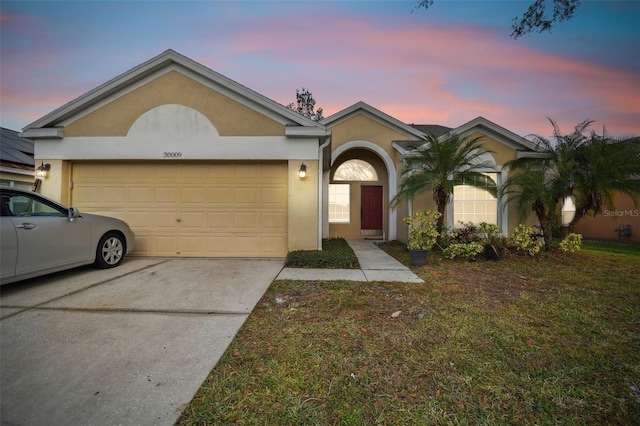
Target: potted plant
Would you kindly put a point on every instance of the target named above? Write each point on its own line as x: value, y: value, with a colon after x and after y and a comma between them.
x: 494, y: 243
x: 423, y: 234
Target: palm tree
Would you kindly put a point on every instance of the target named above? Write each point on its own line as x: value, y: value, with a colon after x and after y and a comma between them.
x: 534, y: 189
x: 542, y: 182
x: 588, y: 168
x: 606, y: 166
x: 439, y: 164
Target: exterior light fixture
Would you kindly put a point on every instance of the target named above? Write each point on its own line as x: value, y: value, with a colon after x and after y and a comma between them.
x: 303, y: 171
x: 43, y: 170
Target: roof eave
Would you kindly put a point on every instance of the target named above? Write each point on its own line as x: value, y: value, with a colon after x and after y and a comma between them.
x: 153, y: 65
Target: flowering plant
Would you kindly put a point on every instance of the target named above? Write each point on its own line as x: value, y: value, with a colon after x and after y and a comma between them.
x: 423, y: 232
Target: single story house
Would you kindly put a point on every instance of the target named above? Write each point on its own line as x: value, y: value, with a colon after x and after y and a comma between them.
x: 16, y: 160
x: 200, y: 165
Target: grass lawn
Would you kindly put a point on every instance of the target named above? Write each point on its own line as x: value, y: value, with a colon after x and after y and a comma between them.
x: 547, y: 340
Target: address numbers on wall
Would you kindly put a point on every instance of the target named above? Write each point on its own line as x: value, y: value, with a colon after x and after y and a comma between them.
x: 171, y: 154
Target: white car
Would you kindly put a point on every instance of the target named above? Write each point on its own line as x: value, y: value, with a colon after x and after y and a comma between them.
x: 41, y: 236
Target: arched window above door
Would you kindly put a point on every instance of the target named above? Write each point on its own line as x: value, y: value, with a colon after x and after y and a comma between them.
x: 355, y: 170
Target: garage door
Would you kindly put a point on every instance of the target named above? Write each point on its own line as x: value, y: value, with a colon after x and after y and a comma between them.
x: 227, y: 209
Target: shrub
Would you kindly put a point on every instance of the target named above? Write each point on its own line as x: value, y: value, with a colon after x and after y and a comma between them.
x: 526, y: 240
x: 571, y: 243
x: 490, y: 233
x: 467, y: 233
x: 464, y: 250
x: 423, y: 233
x: 336, y: 254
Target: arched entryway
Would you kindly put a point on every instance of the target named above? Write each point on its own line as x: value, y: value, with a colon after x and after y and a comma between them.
x: 361, y: 184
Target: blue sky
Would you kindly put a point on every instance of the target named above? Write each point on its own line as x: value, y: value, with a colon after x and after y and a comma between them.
x: 445, y: 66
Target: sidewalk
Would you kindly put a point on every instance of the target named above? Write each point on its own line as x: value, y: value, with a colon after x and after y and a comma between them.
x: 376, y: 266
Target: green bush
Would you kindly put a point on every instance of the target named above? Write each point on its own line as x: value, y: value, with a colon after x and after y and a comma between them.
x: 571, y: 243
x: 336, y: 254
x: 525, y: 239
x: 423, y: 233
x: 464, y: 250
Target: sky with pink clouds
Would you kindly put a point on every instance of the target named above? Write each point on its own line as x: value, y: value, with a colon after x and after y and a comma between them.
x: 445, y: 66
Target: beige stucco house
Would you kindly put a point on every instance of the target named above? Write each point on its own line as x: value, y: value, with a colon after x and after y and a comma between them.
x: 200, y: 165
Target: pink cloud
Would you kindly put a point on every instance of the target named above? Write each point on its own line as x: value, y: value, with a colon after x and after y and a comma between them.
x: 413, y: 69
x: 435, y: 74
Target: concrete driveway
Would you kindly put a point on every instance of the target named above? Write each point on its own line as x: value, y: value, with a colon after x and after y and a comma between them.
x: 125, y: 346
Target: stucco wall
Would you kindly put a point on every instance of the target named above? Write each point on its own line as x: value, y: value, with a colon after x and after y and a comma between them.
x: 361, y: 127
x: 303, y: 206
x: 228, y: 116
x: 604, y: 225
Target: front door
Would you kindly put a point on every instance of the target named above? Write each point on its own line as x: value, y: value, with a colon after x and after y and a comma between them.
x: 371, y: 211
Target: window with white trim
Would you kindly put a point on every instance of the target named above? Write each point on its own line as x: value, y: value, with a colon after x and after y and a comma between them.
x: 475, y: 205
x: 355, y: 170
x: 339, y: 203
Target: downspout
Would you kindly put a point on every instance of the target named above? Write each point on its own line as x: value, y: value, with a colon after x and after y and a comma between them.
x: 320, y: 188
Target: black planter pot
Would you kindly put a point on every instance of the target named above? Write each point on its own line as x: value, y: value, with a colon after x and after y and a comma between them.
x: 493, y: 252
x: 418, y: 257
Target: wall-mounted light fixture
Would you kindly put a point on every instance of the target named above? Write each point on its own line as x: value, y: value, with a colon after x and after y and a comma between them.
x: 303, y: 171
x: 43, y: 170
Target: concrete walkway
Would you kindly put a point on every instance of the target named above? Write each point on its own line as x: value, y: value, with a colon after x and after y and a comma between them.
x: 375, y: 263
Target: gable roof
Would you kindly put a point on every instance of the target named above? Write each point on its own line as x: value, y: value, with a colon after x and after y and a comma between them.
x: 496, y: 132
x: 166, y: 59
x: 16, y: 150
x: 375, y: 114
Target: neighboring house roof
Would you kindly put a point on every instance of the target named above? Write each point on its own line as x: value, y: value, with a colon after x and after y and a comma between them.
x: 16, y: 152
x: 375, y: 114
x: 49, y: 125
x: 433, y: 129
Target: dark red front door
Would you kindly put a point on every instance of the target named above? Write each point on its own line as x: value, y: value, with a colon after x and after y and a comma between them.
x: 371, y: 198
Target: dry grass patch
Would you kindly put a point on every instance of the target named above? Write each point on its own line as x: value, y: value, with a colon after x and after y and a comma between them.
x: 549, y: 340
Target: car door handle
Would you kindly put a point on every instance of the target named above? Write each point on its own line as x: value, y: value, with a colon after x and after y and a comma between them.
x: 27, y: 226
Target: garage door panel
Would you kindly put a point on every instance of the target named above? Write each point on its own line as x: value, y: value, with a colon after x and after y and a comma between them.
x: 88, y: 194
x: 193, y: 195
x: 220, y: 220
x: 273, y: 245
x: 246, y: 221
x: 191, y: 209
x: 222, y: 195
x: 165, y: 245
x: 273, y: 221
x: 141, y: 195
x: 114, y: 195
x: 273, y: 197
x: 167, y: 194
x: 219, y: 245
x: 164, y: 219
x: 192, y: 245
x: 247, y: 196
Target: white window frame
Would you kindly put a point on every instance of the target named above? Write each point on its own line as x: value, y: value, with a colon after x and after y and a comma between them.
x: 345, y: 210
x: 502, y: 217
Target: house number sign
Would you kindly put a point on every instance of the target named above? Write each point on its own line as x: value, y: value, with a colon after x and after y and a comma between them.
x: 171, y: 154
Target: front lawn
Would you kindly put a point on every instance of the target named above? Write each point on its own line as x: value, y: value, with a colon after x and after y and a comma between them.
x: 548, y: 340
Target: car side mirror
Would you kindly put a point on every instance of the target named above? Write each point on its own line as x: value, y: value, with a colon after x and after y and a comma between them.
x: 73, y: 214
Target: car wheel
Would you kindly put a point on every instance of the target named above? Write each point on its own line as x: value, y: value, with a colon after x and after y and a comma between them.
x: 110, y: 251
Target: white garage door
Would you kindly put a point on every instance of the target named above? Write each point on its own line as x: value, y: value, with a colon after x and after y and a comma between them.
x: 191, y: 209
